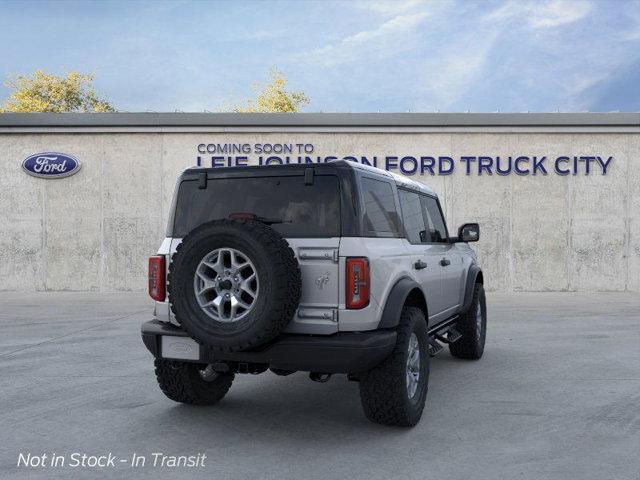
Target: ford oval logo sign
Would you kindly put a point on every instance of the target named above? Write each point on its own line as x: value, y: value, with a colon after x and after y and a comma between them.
x: 51, y: 165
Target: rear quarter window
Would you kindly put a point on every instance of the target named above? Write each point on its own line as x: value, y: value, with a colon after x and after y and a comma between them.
x: 380, y: 213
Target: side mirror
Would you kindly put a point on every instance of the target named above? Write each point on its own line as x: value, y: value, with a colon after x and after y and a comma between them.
x: 469, y: 232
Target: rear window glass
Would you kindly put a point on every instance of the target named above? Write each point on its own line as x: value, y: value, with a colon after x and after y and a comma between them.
x: 288, y: 205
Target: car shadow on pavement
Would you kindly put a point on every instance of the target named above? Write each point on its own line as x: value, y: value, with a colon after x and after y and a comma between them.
x: 290, y: 408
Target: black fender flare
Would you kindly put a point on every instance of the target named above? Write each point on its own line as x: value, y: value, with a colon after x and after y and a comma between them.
x: 396, y: 300
x: 472, y: 276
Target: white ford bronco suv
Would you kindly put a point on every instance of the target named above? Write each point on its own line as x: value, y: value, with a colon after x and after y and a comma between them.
x: 326, y: 268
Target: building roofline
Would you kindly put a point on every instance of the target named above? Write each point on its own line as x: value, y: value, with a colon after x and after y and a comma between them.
x: 322, y: 120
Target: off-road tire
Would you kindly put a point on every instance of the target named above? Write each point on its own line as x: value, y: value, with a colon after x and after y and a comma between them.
x: 383, y: 389
x: 182, y: 382
x: 471, y: 345
x: 278, y: 271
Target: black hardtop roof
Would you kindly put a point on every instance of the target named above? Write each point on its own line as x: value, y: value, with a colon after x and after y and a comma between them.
x: 286, y: 169
x: 293, y: 169
x: 267, y: 170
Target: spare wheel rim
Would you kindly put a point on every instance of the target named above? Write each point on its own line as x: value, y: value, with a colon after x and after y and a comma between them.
x: 226, y: 285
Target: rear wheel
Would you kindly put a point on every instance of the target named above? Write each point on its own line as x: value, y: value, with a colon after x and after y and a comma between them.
x: 473, y: 328
x: 395, y: 391
x: 192, y: 383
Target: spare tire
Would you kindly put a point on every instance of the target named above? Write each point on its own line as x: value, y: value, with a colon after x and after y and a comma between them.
x: 234, y: 284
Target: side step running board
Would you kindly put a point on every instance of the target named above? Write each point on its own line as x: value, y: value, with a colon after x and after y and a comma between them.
x: 434, y: 348
x: 442, y: 326
x: 452, y: 336
x: 444, y: 332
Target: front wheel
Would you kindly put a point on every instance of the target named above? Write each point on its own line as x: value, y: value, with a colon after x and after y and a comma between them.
x: 192, y: 383
x: 395, y: 391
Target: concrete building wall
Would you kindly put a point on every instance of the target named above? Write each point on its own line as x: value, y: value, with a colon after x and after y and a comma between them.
x: 94, y: 230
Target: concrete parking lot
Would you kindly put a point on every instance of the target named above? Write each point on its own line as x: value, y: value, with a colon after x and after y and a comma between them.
x: 557, y: 395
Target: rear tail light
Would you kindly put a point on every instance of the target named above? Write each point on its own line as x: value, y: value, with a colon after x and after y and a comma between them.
x: 157, y: 285
x: 242, y: 216
x: 357, y: 282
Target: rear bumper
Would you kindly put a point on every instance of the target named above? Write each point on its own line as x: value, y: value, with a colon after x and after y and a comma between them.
x: 343, y: 352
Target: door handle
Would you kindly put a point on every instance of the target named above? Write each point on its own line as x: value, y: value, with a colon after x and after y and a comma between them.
x: 419, y: 265
x: 444, y: 262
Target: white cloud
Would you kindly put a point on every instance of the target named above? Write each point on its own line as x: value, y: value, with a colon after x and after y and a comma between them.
x: 393, y: 7
x: 391, y: 37
x: 519, y: 56
x: 539, y: 15
x: 562, y: 70
x: 556, y: 13
x: 632, y: 13
x: 507, y: 11
x: 398, y: 24
x: 451, y: 74
x: 577, y: 83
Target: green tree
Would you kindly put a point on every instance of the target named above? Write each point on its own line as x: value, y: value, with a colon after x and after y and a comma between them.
x: 42, y: 92
x: 273, y: 97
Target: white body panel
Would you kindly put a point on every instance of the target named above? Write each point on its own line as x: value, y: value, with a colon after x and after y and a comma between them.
x: 389, y: 260
x: 318, y: 310
x: 453, y: 277
x: 430, y: 277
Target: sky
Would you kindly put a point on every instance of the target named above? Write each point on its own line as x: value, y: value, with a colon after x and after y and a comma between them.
x: 347, y: 56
